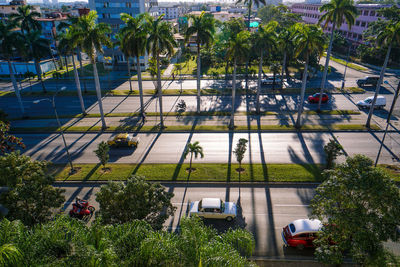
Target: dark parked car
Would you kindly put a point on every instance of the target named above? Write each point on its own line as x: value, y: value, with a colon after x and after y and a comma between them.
x: 315, y: 98
x: 369, y: 80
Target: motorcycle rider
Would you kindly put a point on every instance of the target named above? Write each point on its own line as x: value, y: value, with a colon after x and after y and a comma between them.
x: 79, y: 204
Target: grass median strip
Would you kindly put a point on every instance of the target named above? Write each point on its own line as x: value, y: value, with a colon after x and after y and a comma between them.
x: 199, y: 128
x: 204, y: 172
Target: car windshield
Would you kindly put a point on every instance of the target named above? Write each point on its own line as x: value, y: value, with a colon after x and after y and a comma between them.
x: 292, y: 228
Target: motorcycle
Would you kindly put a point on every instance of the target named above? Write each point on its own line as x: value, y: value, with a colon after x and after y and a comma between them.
x: 85, y: 211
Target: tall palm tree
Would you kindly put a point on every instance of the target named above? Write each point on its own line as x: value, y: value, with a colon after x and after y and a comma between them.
x: 135, y: 39
x: 249, y: 4
x: 337, y: 11
x: 388, y: 37
x: 26, y: 17
x: 68, y: 44
x: 286, y: 46
x: 194, y: 149
x: 123, y: 45
x: 238, y: 49
x: 202, y: 28
x: 309, y: 39
x: 8, y: 39
x: 37, y: 48
x: 264, y: 41
x: 160, y: 41
x: 92, y: 36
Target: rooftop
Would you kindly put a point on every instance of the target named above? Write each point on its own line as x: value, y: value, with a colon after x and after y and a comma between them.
x: 306, y: 225
x: 213, y: 203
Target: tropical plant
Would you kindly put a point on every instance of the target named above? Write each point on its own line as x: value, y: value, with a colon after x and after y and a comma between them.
x: 360, y: 206
x: 275, y: 68
x: 26, y: 17
x: 238, y: 49
x: 136, y: 199
x: 9, y: 40
x: 91, y: 37
x: 202, y: 29
x: 102, y: 153
x: 239, y: 152
x: 193, y: 149
x: 332, y: 150
x: 336, y: 12
x: 249, y: 4
x: 160, y: 41
x: 68, y: 44
x: 309, y: 39
x: 388, y: 37
x: 264, y: 41
x: 8, y: 142
x: 37, y: 48
x: 134, y: 38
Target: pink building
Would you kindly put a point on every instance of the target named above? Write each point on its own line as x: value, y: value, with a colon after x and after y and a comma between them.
x: 366, y: 14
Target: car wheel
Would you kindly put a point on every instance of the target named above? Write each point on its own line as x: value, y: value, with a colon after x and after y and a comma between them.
x: 229, y: 218
x: 300, y: 247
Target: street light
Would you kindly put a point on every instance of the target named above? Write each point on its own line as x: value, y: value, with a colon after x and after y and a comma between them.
x: 396, y: 95
x: 53, y: 103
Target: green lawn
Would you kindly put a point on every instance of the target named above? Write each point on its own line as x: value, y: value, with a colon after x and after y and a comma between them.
x: 203, y: 172
x: 211, y: 172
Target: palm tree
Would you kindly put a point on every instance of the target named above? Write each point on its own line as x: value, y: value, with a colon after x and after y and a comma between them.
x: 123, y: 45
x: 275, y: 68
x: 159, y: 41
x: 92, y: 36
x: 238, y: 49
x: 337, y: 11
x: 249, y: 4
x: 285, y: 43
x: 135, y: 38
x: 202, y: 28
x: 26, y: 17
x: 37, y: 48
x: 194, y: 149
x: 389, y: 37
x: 10, y: 255
x: 8, y: 39
x: 309, y: 39
x: 68, y: 44
x: 264, y: 40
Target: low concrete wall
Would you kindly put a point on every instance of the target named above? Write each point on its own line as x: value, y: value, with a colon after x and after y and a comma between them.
x: 23, y: 67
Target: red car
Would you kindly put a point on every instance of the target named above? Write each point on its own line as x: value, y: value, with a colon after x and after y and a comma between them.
x: 315, y: 98
x: 301, y: 233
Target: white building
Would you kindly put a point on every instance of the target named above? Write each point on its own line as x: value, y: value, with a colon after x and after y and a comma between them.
x: 171, y: 12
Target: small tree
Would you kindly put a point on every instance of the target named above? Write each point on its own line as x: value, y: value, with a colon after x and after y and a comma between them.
x: 102, y: 153
x: 361, y: 207
x: 31, y: 197
x: 239, y: 151
x: 8, y: 142
x: 194, y: 149
x: 136, y: 199
x: 332, y: 150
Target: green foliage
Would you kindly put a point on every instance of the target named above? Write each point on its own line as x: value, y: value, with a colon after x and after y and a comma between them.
x: 26, y: 17
x: 31, y: 197
x: 240, y: 149
x: 332, y: 150
x: 361, y: 207
x: 279, y: 13
x: 102, y: 153
x: 136, y: 199
x: 69, y: 242
x: 8, y: 142
x: 338, y: 11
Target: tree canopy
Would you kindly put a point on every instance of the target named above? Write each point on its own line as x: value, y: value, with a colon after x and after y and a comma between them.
x: 361, y: 207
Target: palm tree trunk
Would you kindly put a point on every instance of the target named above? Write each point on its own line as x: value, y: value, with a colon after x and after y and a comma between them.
x: 190, y: 164
x: 259, y: 82
x: 78, y: 86
x: 129, y: 74
x: 232, y: 121
x: 159, y: 91
x: 139, y: 74
x: 16, y: 89
x: 226, y: 73
x: 66, y: 63
x: 98, y: 91
x: 283, y: 67
x: 81, y: 69
x: 303, y: 90
x: 39, y: 74
x: 328, y: 55
x: 378, y: 86
x: 198, y: 77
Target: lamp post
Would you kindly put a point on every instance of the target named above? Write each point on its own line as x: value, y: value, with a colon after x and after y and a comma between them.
x: 396, y: 95
x: 53, y: 103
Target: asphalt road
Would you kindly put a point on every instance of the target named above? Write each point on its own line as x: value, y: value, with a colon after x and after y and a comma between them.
x: 264, y: 211
x: 116, y: 104
x: 168, y: 147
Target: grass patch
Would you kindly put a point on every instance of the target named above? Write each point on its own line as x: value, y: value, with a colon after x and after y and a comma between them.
x: 214, y: 172
x: 392, y: 170
x: 349, y: 64
x: 199, y: 128
x: 352, y: 90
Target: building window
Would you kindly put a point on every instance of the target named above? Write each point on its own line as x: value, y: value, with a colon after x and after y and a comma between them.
x: 363, y: 24
x: 106, y: 4
x: 357, y: 23
x: 128, y: 4
x: 372, y: 13
x: 366, y: 13
x: 106, y: 15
